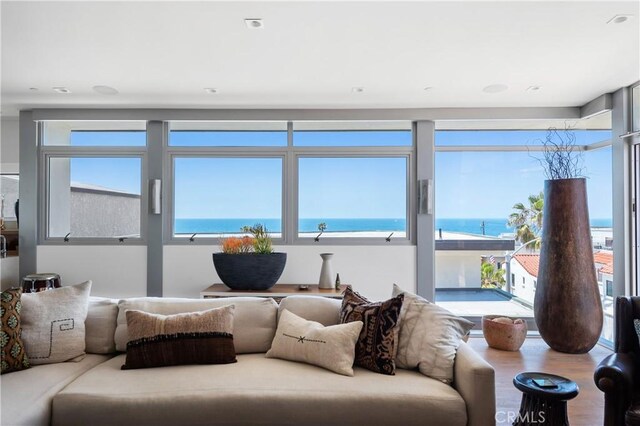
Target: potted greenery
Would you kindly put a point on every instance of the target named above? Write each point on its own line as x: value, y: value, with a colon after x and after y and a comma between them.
x: 567, y: 306
x: 248, y: 262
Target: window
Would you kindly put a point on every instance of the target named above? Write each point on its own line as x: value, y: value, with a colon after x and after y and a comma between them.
x: 228, y: 133
x: 353, y: 197
x: 349, y: 133
x: 216, y: 196
x: 95, y: 133
x: 609, y: 288
x: 92, y: 180
x: 94, y: 197
x: 324, y: 174
x: 635, y: 107
x: 490, y: 170
x: 9, y: 185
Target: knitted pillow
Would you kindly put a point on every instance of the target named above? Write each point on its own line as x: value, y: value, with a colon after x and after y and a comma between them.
x: 156, y: 340
x: 14, y: 357
x: 378, y: 341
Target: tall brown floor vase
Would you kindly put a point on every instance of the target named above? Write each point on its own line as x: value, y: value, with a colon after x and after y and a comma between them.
x: 567, y: 305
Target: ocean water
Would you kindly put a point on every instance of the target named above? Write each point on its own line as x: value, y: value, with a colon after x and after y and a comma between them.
x: 204, y: 226
x: 492, y: 227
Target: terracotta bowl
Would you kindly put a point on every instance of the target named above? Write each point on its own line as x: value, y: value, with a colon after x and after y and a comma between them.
x: 506, y: 337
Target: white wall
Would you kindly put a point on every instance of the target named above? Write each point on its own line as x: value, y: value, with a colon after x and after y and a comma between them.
x: 522, y: 290
x: 121, y: 271
x: 116, y: 271
x: 371, y: 270
x: 9, y: 145
x: 460, y: 268
x: 9, y: 274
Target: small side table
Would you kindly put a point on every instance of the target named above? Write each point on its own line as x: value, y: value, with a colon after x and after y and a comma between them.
x: 544, y: 405
x: 277, y: 292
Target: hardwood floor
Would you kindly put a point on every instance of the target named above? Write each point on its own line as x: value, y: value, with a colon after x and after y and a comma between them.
x: 585, y: 410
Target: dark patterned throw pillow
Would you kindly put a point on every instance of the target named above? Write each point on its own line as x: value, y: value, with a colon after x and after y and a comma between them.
x: 14, y: 357
x: 636, y: 324
x: 203, y: 337
x: 378, y: 342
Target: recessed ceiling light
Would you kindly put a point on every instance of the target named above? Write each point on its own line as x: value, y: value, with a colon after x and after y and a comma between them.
x: 619, y: 19
x: 495, y: 88
x: 533, y: 88
x: 426, y: 89
x: 33, y: 89
x: 211, y: 90
x: 105, y: 90
x: 357, y: 89
x: 61, y: 89
x: 254, y: 23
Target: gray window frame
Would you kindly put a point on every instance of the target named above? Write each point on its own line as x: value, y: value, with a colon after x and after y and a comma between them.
x: 326, y: 239
x: 46, y: 152
x: 215, y: 152
x: 290, y: 155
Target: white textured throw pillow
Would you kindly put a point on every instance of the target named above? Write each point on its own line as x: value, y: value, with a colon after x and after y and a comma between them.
x: 429, y: 336
x: 332, y: 347
x: 53, y: 328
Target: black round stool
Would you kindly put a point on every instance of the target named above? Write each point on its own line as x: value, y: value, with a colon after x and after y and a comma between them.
x: 544, y: 403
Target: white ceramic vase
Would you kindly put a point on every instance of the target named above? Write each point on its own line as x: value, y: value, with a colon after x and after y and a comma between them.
x: 326, y: 273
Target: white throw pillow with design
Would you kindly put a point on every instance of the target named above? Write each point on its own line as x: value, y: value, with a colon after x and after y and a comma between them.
x: 429, y: 336
x: 53, y: 328
x: 332, y: 347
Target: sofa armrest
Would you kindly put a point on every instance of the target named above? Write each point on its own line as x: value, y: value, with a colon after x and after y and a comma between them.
x: 474, y: 379
x: 615, y: 377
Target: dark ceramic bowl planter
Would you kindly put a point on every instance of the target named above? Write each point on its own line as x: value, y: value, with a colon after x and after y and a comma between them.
x: 249, y: 271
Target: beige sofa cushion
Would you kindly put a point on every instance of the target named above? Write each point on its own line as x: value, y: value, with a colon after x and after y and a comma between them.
x: 254, y: 323
x: 53, y: 323
x: 324, y: 310
x: 26, y: 395
x: 255, y: 390
x: 331, y: 347
x: 100, y: 325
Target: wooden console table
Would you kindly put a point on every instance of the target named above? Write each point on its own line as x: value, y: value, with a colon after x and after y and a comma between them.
x: 277, y: 292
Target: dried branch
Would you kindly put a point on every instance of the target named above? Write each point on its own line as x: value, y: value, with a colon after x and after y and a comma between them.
x: 561, y: 159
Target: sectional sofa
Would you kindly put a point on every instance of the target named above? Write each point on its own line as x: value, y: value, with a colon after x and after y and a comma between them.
x: 254, y: 390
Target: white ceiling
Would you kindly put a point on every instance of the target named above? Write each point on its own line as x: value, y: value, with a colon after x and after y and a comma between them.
x: 311, y: 54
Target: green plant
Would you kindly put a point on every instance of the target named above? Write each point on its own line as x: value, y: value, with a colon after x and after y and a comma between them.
x: 490, y: 277
x: 262, y: 243
x: 528, y: 219
x: 321, y: 227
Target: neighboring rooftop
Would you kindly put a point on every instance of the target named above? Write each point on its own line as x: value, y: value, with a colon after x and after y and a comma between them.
x: 603, y: 260
x: 97, y: 189
x: 530, y: 262
x: 604, y: 257
x: 465, y: 241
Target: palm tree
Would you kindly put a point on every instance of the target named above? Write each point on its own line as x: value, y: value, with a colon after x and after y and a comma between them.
x: 490, y: 277
x: 528, y: 219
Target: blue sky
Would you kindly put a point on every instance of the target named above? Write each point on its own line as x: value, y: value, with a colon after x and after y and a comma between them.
x: 468, y: 184
x: 488, y: 184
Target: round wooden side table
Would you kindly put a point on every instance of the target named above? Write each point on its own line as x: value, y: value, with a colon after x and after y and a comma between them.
x: 544, y: 405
